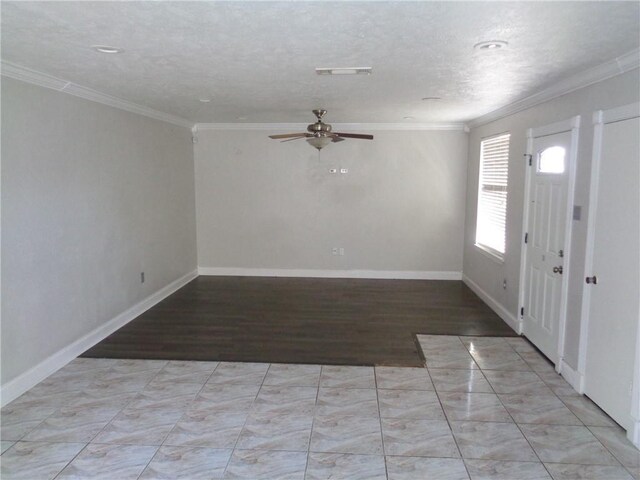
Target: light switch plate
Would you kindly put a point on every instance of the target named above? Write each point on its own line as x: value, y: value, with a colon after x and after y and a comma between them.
x: 577, y: 212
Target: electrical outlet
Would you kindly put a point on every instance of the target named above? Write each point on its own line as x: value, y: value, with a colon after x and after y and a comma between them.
x: 341, y: 251
x: 333, y: 170
x: 141, y: 277
x: 344, y: 170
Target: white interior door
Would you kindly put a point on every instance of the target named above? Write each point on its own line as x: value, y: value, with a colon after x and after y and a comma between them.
x: 613, y: 261
x: 545, y: 241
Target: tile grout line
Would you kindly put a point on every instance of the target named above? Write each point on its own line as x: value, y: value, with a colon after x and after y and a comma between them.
x: 313, y: 421
x: 455, y: 440
x: 435, y: 389
x: 70, y: 461
x: 224, y: 473
x: 468, y: 352
x: 605, y: 447
x: 384, y: 450
x: 558, y: 397
x: 446, y: 417
x: 520, y: 430
x: 503, y: 406
x: 94, y: 436
x: 513, y: 419
x: 38, y: 425
x: 136, y: 393
x: 57, y: 409
x: 177, y: 421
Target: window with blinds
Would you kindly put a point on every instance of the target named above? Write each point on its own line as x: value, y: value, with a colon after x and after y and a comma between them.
x: 492, y: 194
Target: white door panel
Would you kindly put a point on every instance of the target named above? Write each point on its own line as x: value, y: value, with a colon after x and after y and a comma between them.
x: 544, y: 262
x: 613, y: 305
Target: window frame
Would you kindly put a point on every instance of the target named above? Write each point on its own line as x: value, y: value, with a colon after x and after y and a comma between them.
x: 488, y: 250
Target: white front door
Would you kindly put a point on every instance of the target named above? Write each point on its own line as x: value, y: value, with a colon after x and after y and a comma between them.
x: 612, y: 305
x: 545, y: 245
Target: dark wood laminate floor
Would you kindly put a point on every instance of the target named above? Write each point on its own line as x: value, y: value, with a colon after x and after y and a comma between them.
x: 302, y: 320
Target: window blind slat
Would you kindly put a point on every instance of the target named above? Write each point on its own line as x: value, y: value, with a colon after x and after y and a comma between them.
x: 492, y: 193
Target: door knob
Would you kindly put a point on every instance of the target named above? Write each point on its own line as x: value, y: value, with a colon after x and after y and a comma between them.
x: 557, y: 269
x: 593, y: 280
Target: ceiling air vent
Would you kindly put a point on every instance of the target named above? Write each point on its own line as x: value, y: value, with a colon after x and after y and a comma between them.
x: 343, y: 71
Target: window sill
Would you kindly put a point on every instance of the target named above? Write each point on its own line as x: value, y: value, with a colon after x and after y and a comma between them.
x: 490, y: 253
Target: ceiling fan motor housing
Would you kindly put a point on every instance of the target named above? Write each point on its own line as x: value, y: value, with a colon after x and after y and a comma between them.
x: 319, y: 128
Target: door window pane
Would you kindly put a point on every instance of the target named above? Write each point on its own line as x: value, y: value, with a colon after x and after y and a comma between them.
x: 551, y: 160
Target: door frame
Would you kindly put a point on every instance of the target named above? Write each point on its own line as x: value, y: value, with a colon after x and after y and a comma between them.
x: 571, y: 125
x: 600, y: 119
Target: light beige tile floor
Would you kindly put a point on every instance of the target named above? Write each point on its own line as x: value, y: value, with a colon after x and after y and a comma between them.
x: 482, y: 409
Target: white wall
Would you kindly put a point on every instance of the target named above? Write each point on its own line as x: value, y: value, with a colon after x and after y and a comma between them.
x: 91, y: 196
x: 270, y: 205
x: 488, y: 273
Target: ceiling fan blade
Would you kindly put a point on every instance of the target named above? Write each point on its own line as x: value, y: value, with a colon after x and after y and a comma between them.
x: 336, y: 138
x: 297, y: 138
x: 287, y: 135
x: 355, y: 135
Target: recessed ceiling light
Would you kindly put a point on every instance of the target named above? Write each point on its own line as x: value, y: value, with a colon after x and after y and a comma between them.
x: 490, y: 45
x: 431, y: 98
x: 343, y: 70
x: 242, y: 118
x: 408, y: 118
x: 204, y: 99
x: 107, y: 49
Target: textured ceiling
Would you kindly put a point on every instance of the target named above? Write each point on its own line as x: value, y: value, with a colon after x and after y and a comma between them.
x: 256, y: 59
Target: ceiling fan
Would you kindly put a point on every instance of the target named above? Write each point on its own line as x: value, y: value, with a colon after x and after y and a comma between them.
x: 319, y: 134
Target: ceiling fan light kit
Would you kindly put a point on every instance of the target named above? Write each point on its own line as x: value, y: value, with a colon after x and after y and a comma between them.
x: 319, y: 142
x: 319, y: 134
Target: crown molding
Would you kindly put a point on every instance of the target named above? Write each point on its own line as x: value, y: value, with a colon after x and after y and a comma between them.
x: 629, y: 60
x: 24, y: 74
x: 612, y: 68
x: 27, y: 75
x: 94, y: 96
x: 335, y: 126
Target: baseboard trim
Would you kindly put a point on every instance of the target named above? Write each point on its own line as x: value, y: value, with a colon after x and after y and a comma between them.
x: 293, y: 272
x: 633, y: 434
x: 16, y: 387
x: 572, y: 376
x: 497, y: 307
